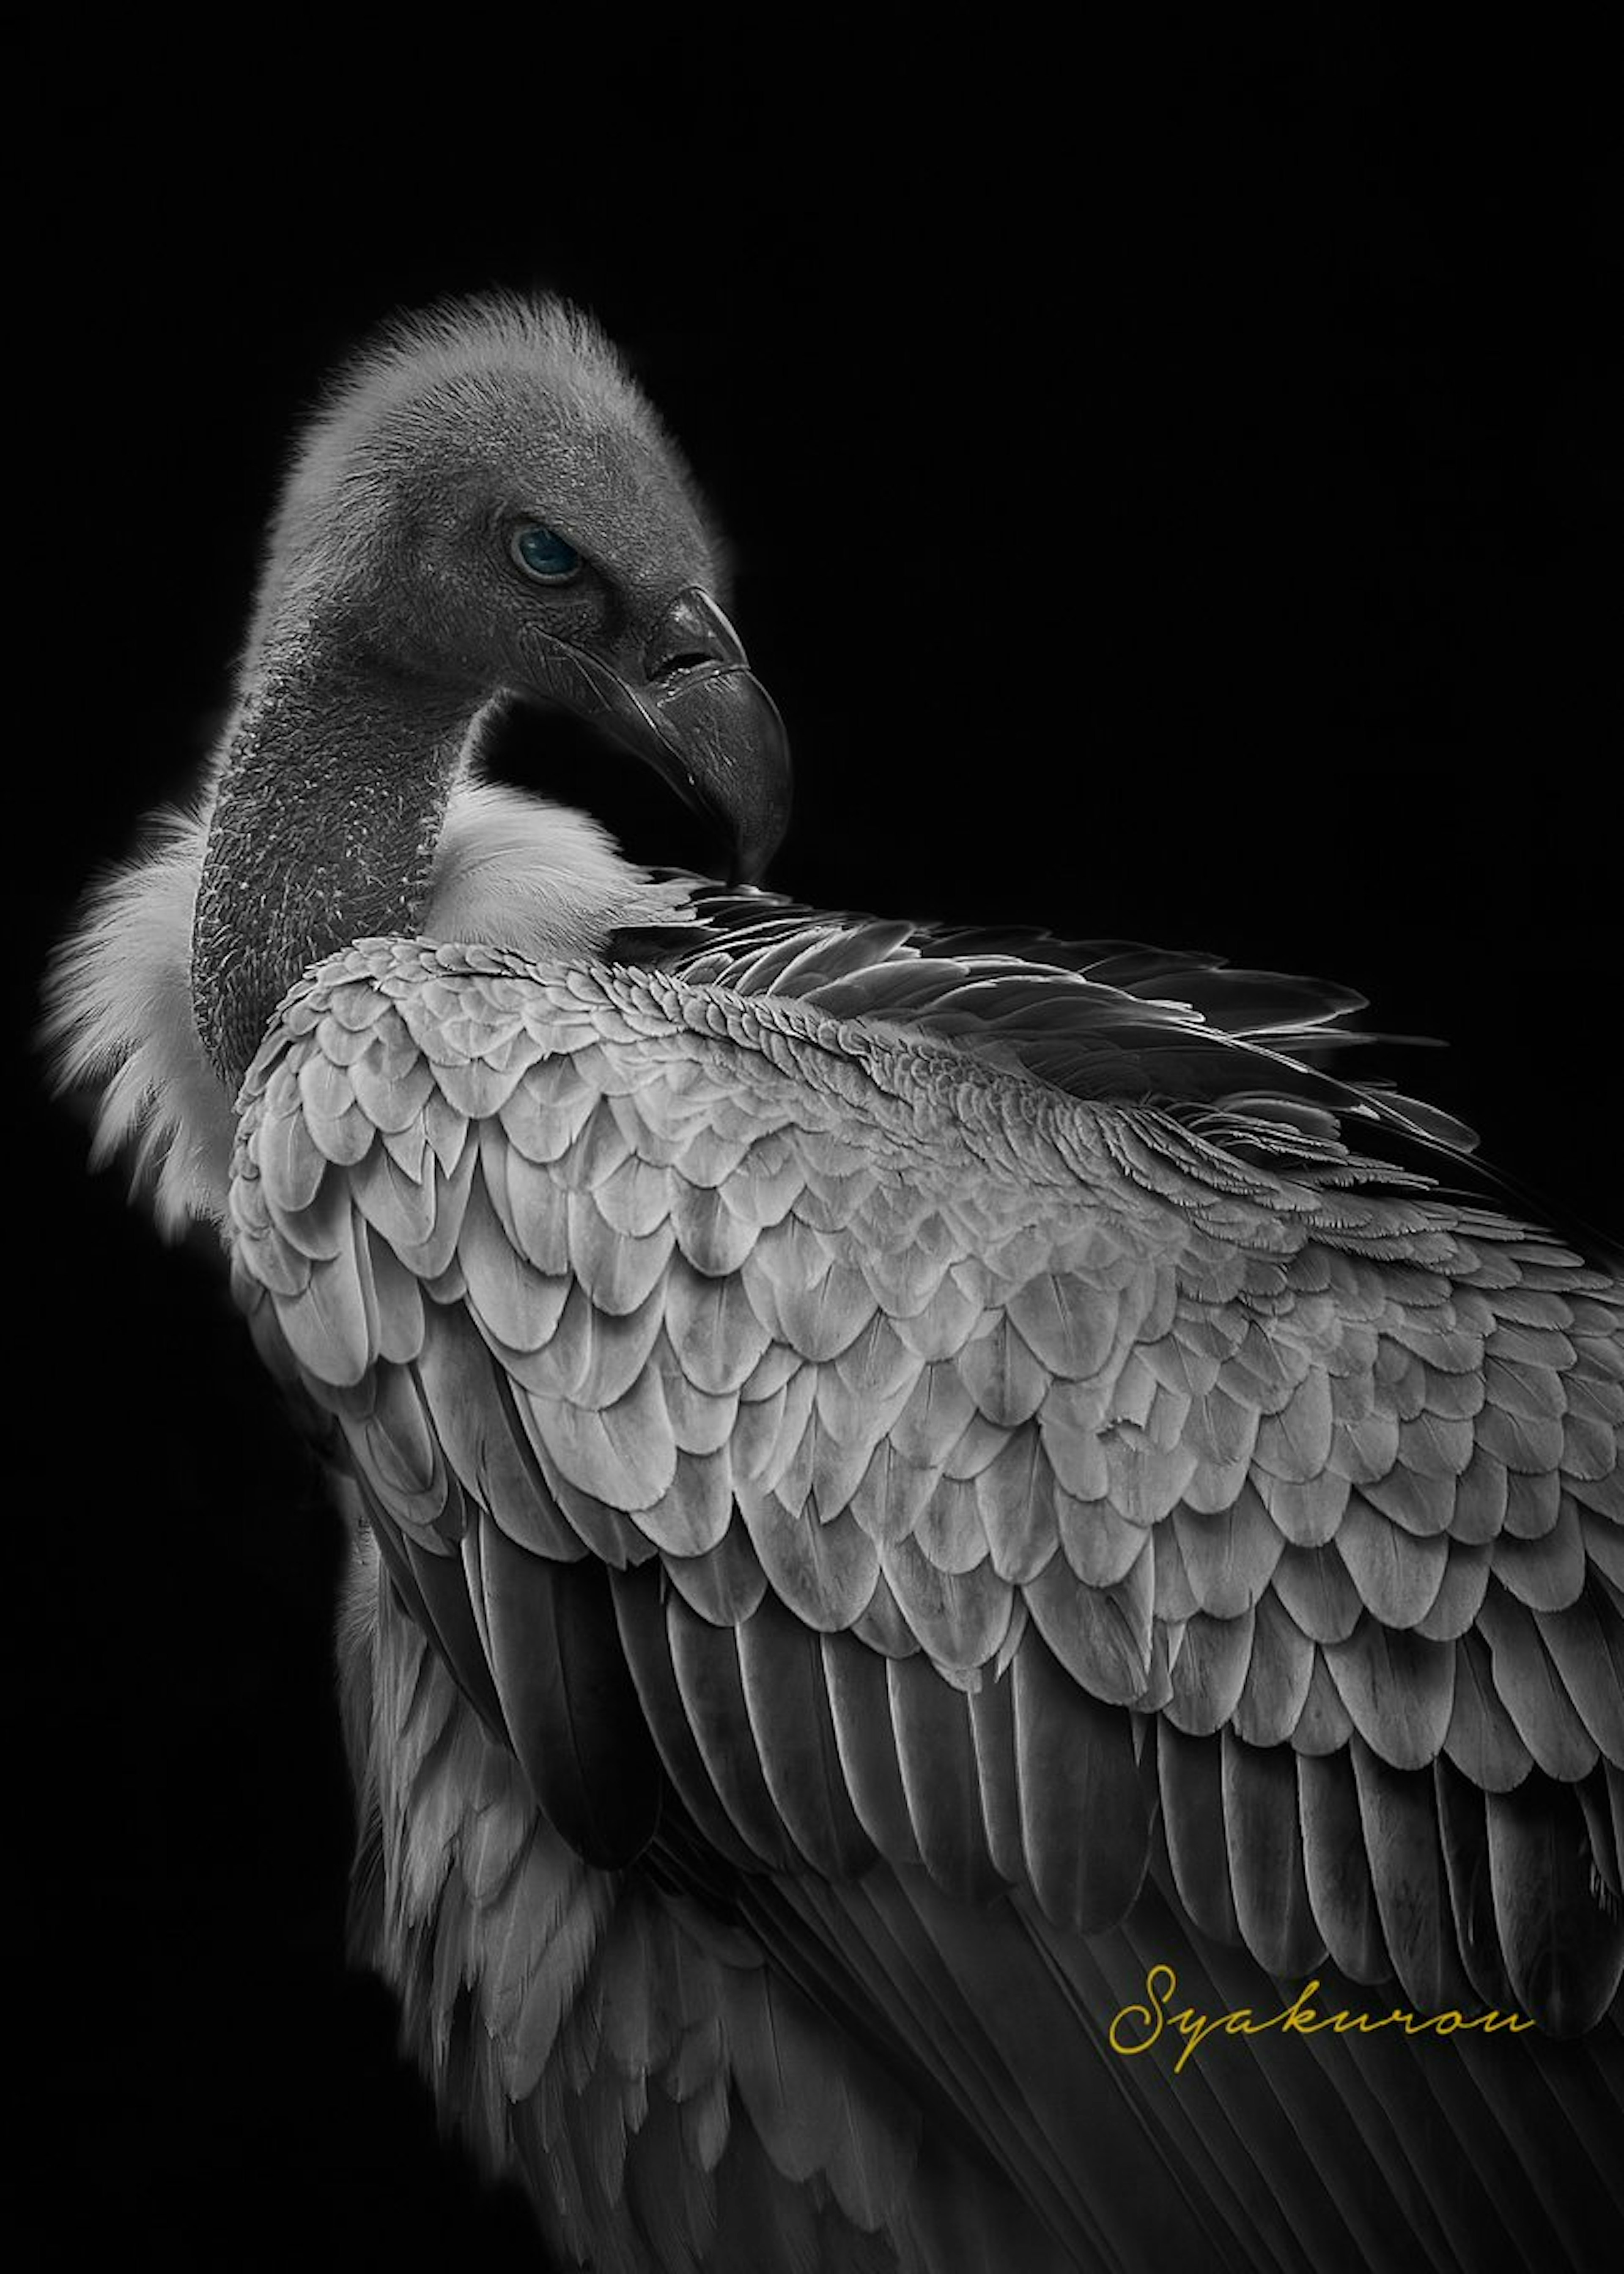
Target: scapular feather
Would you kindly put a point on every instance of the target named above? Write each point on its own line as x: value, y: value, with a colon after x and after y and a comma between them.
x: 1336, y: 1868
x: 1190, y: 1771
x: 1564, y: 1954
x: 941, y: 1782
x: 782, y: 1673
x: 1265, y: 1846
x: 569, y: 1699
x: 1463, y: 1833
x: 1399, y: 1818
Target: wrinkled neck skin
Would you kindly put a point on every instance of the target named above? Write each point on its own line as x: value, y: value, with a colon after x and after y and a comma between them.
x: 328, y: 804
x: 322, y: 823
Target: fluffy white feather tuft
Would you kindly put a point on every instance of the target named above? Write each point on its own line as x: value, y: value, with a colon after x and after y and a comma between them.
x: 118, y: 1018
x: 518, y: 872
x: 511, y: 871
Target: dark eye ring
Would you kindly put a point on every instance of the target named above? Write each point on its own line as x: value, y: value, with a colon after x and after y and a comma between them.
x: 543, y: 554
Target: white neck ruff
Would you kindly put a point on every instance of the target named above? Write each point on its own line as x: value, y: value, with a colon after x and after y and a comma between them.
x: 511, y: 871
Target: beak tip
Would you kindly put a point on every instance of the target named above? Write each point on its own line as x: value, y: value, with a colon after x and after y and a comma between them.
x: 714, y: 734
x: 756, y: 844
x: 748, y: 866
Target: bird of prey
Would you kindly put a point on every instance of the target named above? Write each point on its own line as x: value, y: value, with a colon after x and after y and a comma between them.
x: 927, y: 1507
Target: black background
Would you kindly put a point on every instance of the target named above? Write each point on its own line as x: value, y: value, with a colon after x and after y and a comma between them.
x: 1170, y: 499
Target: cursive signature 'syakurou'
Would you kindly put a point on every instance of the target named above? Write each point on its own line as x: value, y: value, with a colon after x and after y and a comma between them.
x: 1298, y: 2019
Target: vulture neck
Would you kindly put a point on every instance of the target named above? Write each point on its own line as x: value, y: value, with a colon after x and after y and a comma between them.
x: 329, y: 800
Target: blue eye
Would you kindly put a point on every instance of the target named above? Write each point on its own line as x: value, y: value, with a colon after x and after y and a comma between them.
x: 543, y: 554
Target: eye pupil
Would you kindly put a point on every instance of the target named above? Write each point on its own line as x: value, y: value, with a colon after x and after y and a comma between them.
x: 543, y: 553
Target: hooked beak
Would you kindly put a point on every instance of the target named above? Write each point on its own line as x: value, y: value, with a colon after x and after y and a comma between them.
x: 697, y: 715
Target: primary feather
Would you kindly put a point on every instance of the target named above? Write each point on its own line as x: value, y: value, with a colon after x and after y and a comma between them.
x: 901, y: 1481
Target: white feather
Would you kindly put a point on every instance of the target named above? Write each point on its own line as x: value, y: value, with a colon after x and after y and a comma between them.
x: 518, y: 872
x: 119, y: 1018
x: 511, y: 871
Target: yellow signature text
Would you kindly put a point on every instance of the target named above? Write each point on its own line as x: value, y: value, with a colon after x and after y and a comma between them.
x: 1136, y: 2028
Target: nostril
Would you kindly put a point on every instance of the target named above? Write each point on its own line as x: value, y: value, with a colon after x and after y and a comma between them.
x: 691, y: 632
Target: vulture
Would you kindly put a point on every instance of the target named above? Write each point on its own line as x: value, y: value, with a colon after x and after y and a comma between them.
x: 985, y: 1601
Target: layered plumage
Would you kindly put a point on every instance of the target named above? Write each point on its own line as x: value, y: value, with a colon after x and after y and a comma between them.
x: 901, y: 1482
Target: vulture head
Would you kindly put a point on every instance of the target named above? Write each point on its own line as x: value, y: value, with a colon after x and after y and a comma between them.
x: 485, y: 509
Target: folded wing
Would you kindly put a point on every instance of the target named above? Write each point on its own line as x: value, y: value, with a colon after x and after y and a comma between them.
x: 942, y: 1523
